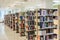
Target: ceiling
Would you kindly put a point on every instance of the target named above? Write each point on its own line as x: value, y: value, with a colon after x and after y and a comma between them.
x: 5, y: 3
x: 23, y: 3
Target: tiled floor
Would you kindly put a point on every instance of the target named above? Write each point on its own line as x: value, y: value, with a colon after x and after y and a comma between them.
x: 8, y: 34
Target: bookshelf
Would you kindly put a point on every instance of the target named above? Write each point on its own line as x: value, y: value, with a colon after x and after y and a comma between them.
x: 57, y: 22
x: 13, y: 22
x: 22, y: 23
x: 46, y: 24
x: 30, y: 24
x: 40, y: 24
x: 7, y: 20
x: 5, y: 17
x: 17, y: 22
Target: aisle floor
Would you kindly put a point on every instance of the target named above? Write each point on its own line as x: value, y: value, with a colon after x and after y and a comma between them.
x: 8, y: 34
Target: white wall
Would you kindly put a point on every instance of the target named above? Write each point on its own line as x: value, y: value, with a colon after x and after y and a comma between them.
x: 1, y: 15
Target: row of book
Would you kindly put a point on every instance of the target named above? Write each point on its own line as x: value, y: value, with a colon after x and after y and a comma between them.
x: 45, y: 18
x: 46, y: 12
x: 48, y: 37
x: 45, y: 24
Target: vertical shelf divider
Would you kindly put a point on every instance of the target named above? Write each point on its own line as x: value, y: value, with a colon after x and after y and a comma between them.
x: 37, y: 22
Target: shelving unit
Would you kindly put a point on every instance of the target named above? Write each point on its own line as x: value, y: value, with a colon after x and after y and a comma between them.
x: 46, y: 24
x: 30, y: 24
x: 40, y: 24
x: 22, y: 23
x: 13, y: 22
x: 57, y: 22
x: 17, y: 22
x: 7, y: 20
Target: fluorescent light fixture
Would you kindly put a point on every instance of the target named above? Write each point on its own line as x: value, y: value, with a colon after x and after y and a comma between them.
x: 30, y: 8
x: 56, y: 3
x: 38, y: 5
x: 19, y: 10
x: 18, y: 2
x: 56, y: 0
x: 12, y: 5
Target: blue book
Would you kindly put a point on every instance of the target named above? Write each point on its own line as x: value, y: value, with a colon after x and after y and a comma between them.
x: 41, y: 24
x: 21, y: 17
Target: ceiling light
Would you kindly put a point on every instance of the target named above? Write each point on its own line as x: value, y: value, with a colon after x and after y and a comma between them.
x: 18, y: 2
x: 56, y: 1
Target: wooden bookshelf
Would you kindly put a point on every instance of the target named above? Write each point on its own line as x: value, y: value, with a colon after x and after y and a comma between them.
x: 22, y: 23
x: 57, y: 22
x: 17, y: 22
x: 13, y: 22
x: 30, y: 24
x: 40, y: 24
x: 43, y: 23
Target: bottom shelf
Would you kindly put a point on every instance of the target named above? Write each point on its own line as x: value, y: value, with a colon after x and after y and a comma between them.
x: 22, y: 34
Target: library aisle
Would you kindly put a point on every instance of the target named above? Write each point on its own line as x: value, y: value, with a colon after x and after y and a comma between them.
x: 7, y: 34
x: 29, y: 20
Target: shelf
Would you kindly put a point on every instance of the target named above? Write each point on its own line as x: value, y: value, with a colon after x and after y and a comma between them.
x: 52, y: 27
x: 33, y: 21
x: 31, y: 30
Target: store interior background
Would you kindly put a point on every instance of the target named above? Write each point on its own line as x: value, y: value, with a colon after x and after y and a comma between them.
x: 7, y: 6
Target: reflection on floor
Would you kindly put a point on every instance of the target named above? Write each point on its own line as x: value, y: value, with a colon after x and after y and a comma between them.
x: 7, y: 34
